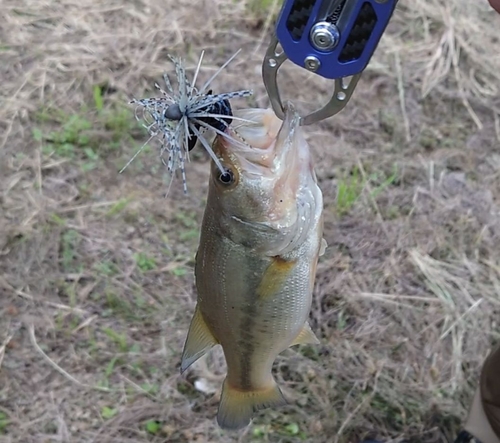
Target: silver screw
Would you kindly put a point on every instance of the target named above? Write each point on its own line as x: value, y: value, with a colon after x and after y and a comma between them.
x: 324, y: 36
x: 311, y: 63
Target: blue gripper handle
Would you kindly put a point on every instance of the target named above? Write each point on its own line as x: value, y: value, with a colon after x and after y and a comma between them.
x: 360, y: 25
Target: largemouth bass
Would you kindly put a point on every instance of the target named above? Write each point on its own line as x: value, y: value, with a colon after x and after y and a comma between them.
x: 255, y: 267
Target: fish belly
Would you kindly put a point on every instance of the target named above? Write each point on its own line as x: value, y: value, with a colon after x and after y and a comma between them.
x: 252, y: 324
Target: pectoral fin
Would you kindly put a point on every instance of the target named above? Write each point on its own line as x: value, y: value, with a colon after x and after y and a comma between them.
x: 306, y: 337
x: 274, y: 277
x: 199, y: 340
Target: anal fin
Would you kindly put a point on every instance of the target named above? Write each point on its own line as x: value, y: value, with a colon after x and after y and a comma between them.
x: 199, y: 340
x: 306, y: 337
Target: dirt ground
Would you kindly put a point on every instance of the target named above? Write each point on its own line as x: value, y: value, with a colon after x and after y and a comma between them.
x: 96, y: 267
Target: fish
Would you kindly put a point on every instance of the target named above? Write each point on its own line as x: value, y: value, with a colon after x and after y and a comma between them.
x: 261, y: 237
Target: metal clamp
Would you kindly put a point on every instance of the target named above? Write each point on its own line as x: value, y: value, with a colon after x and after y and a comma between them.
x: 341, y: 93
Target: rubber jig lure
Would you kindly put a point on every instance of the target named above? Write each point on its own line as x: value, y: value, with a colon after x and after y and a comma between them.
x: 179, y: 118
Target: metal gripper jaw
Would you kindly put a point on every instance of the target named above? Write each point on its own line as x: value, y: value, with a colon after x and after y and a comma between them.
x: 332, y: 38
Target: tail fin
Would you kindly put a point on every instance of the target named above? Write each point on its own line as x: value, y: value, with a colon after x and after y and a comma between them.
x: 236, y: 407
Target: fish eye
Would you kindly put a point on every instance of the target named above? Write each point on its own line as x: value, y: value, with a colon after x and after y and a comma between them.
x: 226, y: 177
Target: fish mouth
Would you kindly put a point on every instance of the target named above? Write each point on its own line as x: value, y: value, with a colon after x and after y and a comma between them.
x: 274, y: 163
x: 266, y: 146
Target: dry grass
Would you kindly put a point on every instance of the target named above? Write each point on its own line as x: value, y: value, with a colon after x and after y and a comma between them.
x: 96, y: 285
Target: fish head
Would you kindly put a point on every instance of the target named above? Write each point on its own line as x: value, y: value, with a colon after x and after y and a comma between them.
x: 267, y: 184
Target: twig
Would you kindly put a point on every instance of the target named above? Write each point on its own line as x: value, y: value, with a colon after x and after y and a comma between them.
x: 455, y: 61
x: 402, y: 101
x: 459, y: 319
x: 89, y: 206
x: 3, y: 346
x: 137, y: 387
x: 22, y: 294
x: 372, y: 199
x: 61, y: 371
x: 497, y: 125
x: 367, y: 399
x: 50, y: 303
x: 380, y: 295
x: 84, y: 324
x: 271, y: 13
x: 394, y: 303
x: 39, y: 176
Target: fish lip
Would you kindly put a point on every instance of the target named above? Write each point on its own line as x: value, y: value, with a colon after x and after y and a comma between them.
x: 284, y: 142
x: 292, y: 117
